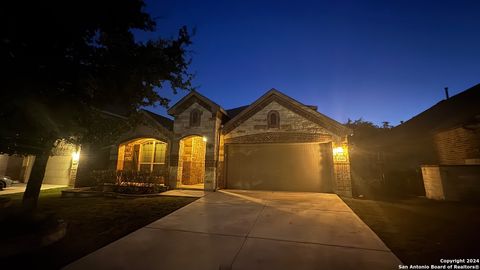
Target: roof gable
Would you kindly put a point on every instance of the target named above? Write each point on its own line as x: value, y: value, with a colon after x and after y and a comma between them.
x: 163, y: 123
x: 194, y: 97
x: 162, y: 120
x: 234, y: 111
x: 291, y: 104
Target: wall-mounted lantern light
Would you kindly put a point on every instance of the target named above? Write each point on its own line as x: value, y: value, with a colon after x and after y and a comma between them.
x: 205, y: 139
x: 75, y: 156
x: 340, y: 154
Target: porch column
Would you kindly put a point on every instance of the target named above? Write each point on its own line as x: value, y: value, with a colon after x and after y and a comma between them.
x: 173, y: 166
x: 210, y: 165
x: 341, y: 167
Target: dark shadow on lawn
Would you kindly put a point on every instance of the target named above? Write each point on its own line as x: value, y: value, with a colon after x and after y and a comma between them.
x: 422, y: 231
x: 92, y: 224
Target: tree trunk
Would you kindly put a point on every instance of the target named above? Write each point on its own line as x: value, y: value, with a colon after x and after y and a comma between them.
x: 30, y: 197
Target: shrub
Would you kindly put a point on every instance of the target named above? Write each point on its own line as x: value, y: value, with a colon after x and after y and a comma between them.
x: 130, y: 182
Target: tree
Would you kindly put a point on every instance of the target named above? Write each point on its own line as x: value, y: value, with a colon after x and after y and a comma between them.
x: 362, y: 130
x: 63, y: 62
x: 386, y: 125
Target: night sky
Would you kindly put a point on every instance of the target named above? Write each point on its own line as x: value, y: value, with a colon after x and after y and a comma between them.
x: 379, y: 60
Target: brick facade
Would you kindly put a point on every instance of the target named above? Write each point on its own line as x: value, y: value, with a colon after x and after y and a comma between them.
x: 208, y: 129
x: 293, y: 128
x: 451, y: 182
x: 289, y: 122
x: 457, y: 146
x: 293, y: 123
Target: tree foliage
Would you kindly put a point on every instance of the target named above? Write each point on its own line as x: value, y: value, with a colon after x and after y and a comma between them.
x: 64, y: 62
x: 365, y: 131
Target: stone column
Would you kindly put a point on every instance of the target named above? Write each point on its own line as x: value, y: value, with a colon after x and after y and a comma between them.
x: 173, y: 163
x: 210, y: 163
x: 341, y: 167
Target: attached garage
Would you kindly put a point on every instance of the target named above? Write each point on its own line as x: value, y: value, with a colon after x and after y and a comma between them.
x: 58, y: 170
x: 280, y: 166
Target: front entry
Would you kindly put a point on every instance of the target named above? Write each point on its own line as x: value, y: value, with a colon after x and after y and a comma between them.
x: 280, y: 166
x: 191, y: 163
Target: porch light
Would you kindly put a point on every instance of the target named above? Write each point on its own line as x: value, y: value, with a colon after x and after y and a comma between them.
x: 204, y: 139
x: 75, y: 156
x: 338, y: 150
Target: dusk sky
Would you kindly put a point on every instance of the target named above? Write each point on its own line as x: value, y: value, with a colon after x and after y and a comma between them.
x: 379, y: 60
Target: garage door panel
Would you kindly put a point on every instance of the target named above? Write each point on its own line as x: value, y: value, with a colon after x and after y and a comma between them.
x: 57, y: 171
x: 288, y: 167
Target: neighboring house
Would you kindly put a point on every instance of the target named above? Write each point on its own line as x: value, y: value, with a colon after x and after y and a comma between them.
x: 440, y: 145
x: 17, y: 167
x: 275, y: 143
x: 61, y: 166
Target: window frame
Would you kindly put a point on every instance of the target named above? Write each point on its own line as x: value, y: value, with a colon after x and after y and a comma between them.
x: 152, y: 159
x: 269, y: 119
x: 198, y: 113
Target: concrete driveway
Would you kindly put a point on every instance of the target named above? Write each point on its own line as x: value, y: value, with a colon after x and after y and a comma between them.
x: 250, y: 230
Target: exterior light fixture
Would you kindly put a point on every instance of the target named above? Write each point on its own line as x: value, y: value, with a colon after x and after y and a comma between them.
x: 75, y: 156
x: 204, y: 139
x: 338, y: 150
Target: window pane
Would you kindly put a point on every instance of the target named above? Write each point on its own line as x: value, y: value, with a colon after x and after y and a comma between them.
x: 147, y: 152
x: 160, y: 152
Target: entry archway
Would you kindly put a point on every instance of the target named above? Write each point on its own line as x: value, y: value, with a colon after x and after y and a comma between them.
x: 191, y: 162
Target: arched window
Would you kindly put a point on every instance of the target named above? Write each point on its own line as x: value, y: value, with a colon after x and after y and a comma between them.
x: 143, y: 154
x: 195, y: 118
x: 273, y: 119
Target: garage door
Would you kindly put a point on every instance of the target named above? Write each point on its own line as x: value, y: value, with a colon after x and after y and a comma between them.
x: 286, y: 167
x: 57, y: 171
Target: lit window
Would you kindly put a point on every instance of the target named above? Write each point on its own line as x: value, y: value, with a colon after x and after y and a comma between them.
x: 152, y: 155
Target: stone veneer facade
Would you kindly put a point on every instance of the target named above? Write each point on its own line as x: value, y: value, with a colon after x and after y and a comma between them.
x: 298, y: 124
x: 293, y: 128
x: 209, y: 129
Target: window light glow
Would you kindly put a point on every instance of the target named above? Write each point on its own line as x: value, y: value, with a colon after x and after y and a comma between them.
x: 338, y: 150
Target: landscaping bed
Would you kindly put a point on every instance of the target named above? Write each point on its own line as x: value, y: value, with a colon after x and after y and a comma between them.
x: 422, y: 231
x: 92, y: 222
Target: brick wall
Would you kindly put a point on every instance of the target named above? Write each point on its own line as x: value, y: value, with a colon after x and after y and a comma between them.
x: 432, y: 181
x: 293, y: 128
x: 192, y: 161
x: 208, y: 128
x: 452, y: 182
x: 289, y: 122
x: 457, y: 145
x: 341, y: 168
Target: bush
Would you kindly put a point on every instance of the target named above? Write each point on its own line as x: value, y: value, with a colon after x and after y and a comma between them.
x: 140, y: 188
x: 130, y: 182
x: 104, y: 176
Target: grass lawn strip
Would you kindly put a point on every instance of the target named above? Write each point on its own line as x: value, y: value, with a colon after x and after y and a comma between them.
x: 92, y: 223
x: 421, y: 231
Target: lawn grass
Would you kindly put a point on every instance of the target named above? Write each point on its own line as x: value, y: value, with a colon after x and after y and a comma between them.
x: 421, y: 231
x: 92, y: 224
